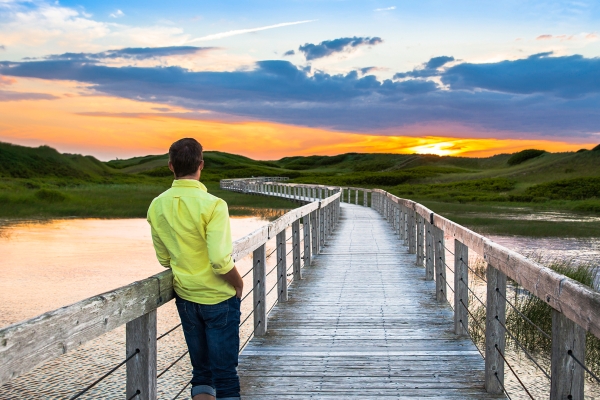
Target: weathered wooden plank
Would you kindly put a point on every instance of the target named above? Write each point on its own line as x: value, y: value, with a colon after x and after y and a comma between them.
x: 461, y: 291
x: 568, y: 339
x: 296, y: 264
x: 259, y: 294
x: 440, y: 266
x: 306, y: 223
x: 27, y: 344
x: 141, y: 369
x: 282, y: 286
x: 495, y: 336
x: 429, y: 251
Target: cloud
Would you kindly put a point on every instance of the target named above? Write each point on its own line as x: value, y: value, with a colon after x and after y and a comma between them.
x: 385, y: 9
x: 2, y: 47
x: 243, y: 31
x: 541, y: 94
x: 6, y: 95
x: 563, y: 77
x: 329, y: 47
x: 5, y: 80
x: 428, y: 69
x: 117, y: 14
x: 289, y: 53
x: 131, y: 53
x: 544, y: 37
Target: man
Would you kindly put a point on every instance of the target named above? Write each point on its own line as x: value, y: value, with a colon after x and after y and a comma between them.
x: 191, y: 235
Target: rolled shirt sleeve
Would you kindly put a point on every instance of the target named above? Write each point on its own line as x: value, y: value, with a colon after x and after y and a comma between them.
x: 218, y: 239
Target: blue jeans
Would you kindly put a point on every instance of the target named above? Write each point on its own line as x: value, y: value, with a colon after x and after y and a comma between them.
x: 212, y: 333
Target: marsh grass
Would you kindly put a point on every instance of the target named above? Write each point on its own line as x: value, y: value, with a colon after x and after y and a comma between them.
x: 538, y: 312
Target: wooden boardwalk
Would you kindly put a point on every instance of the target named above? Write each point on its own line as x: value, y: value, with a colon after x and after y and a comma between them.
x: 363, y: 323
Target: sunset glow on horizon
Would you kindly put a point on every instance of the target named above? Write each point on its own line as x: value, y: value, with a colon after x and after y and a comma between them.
x: 73, y: 78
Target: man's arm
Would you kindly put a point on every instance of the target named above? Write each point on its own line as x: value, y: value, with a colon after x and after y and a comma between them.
x: 220, y: 247
x: 234, y: 279
x: 162, y: 254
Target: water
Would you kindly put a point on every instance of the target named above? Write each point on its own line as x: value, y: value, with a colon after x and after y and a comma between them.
x: 49, y: 264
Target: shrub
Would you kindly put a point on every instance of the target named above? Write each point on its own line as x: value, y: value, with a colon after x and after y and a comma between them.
x: 523, y: 156
x: 49, y: 195
x: 597, y: 148
x: 567, y: 189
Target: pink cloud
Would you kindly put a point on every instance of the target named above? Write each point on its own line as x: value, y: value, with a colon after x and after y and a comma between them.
x: 543, y: 37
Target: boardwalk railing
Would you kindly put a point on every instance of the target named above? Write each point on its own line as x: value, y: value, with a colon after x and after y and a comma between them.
x: 575, y: 307
x: 28, y: 344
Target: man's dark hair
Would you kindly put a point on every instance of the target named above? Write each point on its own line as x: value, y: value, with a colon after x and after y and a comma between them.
x: 186, y: 156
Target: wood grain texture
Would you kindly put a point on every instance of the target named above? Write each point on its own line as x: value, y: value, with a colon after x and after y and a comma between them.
x: 141, y: 369
x: 27, y: 344
x: 259, y: 293
x: 461, y: 291
x: 495, y: 336
x: 567, y: 376
x: 363, y: 323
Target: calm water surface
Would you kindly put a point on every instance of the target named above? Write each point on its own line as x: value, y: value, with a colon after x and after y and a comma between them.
x: 49, y: 264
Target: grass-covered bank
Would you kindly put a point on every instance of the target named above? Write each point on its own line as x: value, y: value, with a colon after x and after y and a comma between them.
x: 476, y: 192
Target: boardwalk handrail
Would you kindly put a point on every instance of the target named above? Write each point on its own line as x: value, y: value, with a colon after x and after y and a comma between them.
x: 29, y: 343
x: 575, y: 307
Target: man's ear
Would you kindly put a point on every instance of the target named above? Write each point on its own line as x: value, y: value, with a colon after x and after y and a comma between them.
x: 201, y: 167
x: 171, y: 167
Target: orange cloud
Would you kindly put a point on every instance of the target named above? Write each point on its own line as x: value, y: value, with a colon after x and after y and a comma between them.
x: 107, y: 127
x: 5, y: 80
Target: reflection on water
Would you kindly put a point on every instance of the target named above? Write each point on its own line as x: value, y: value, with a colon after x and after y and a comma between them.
x: 52, y: 263
x: 526, y: 214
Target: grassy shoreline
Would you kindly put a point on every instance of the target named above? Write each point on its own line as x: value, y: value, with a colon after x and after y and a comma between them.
x: 502, y: 194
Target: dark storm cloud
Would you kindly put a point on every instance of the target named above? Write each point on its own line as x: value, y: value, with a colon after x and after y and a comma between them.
x: 329, y: 47
x: 541, y: 94
x: 132, y: 53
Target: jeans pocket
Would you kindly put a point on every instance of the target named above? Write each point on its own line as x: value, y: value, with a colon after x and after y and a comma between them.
x: 186, y: 321
x: 215, y: 316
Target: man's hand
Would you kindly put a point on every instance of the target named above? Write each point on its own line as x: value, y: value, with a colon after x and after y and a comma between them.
x: 234, y: 279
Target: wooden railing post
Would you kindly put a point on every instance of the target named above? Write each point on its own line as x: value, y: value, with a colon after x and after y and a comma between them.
x: 296, y: 250
x: 314, y: 225
x: 401, y: 227
x: 461, y: 291
x: 412, y: 232
x: 419, y: 248
x: 567, y: 376
x: 321, y: 229
x: 429, y: 251
x: 259, y: 293
x: 365, y: 198
x: 495, y: 338
x: 140, y: 334
x: 306, y: 230
x: 282, y: 291
x: 440, y: 266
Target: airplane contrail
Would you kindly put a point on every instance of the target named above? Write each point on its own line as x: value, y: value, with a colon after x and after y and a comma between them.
x: 242, y: 31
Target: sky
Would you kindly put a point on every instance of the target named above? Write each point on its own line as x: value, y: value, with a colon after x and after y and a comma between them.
x: 269, y: 79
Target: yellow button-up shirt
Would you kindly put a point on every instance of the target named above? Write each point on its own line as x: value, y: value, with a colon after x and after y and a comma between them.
x: 192, y: 236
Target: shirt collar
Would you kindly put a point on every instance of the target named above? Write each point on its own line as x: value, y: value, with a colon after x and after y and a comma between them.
x: 188, y: 183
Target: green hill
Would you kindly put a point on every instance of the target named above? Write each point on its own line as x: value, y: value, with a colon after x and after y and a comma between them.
x: 42, y: 181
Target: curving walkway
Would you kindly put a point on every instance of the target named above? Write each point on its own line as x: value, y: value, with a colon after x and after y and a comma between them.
x: 363, y: 323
